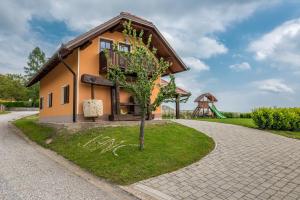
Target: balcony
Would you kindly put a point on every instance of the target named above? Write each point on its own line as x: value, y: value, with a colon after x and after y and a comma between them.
x: 115, y: 58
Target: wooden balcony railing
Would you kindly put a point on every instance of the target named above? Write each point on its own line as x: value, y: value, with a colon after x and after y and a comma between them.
x: 115, y: 59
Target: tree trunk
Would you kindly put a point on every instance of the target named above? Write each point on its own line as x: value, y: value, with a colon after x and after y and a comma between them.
x: 142, y: 133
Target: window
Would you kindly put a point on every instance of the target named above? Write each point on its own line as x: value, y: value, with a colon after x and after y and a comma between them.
x: 124, y: 47
x: 50, y: 95
x: 65, y: 94
x: 105, y: 44
x: 41, y: 103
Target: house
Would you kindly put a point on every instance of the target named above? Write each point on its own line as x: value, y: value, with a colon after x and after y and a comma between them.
x: 76, y: 72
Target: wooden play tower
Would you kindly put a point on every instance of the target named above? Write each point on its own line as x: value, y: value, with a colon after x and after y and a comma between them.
x: 203, y: 109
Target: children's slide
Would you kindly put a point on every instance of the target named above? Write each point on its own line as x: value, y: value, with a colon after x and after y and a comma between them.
x: 218, y: 113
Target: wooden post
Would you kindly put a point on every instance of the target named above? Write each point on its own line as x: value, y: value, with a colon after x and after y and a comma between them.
x: 93, y: 97
x: 117, y: 98
x: 113, y: 102
x: 92, y: 92
x: 177, y: 107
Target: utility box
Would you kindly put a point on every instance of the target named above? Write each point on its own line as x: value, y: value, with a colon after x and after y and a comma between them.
x: 92, y: 108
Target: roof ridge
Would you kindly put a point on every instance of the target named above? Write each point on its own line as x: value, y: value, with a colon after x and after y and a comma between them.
x: 124, y: 13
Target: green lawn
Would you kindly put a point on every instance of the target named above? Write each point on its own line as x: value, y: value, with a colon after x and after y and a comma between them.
x: 236, y: 121
x: 168, y: 147
x: 250, y: 124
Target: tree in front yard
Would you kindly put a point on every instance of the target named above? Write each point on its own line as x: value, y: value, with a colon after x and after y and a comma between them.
x: 141, y: 73
x: 36, y: 60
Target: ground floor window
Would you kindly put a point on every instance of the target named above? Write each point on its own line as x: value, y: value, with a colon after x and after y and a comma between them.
x: 50, y: 97
x: 41, y: 102
x: 65, y: 94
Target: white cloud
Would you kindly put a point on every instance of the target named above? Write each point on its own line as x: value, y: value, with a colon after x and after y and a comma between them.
x: 273, y: 85
x: 240, y: 66
x: 195, y: 64
x: 209, y: 47
x: 190, y: 25
x: 280, y: 46
x: 202, y: 46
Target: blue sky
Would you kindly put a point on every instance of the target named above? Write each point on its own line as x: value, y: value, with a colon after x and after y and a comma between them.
x: 244, y: 52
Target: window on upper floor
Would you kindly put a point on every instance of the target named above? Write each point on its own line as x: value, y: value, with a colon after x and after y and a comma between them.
x: 124, y: 47
x: 105, y: 44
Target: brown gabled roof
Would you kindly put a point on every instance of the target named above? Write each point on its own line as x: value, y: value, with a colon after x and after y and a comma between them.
x: 85, y: 38
x: 208, y: 95
x: 179, y: 90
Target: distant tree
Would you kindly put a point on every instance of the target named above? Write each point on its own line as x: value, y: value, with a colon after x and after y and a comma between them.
x: 12, y: 87
x: 146, y: 68
x: 36, y: 60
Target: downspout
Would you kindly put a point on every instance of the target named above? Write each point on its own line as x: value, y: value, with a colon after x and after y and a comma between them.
x: 74, y: 84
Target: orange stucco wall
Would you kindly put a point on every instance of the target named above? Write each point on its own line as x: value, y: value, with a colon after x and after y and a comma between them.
x: 53, y: 82
x: 83, y: 61
x: 89, y: 64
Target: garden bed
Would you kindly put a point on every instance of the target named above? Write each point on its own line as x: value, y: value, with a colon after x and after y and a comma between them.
x: 112, y: 152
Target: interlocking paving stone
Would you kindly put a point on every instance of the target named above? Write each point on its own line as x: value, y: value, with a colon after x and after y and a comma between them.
x: 246, y: 164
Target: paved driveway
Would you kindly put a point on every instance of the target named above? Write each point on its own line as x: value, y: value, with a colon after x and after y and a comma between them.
x: 25, y: 173
x: 246, y: 164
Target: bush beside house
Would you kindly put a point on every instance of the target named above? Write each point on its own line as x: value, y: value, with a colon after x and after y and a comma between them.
x: 18, y: 104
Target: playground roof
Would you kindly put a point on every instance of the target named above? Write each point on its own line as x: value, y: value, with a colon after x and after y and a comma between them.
x: 208, y: 95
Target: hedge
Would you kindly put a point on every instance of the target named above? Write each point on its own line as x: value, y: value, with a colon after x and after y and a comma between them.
x: 277, y: 118
x: 236, y: 115
x: 10, y: 104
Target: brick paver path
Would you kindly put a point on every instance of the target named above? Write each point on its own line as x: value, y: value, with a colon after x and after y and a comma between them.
x: 246, y: 164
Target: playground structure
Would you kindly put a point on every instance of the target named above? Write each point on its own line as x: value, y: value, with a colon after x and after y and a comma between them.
x: 206, y: 107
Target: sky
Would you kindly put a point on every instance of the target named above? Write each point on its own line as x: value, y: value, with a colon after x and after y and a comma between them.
x: 246, y: 53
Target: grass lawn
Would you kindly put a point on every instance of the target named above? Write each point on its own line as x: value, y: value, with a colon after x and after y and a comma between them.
x: 168, y: 147
x: 236, y: 121
x: 247, y: 122
x: 4, y: 112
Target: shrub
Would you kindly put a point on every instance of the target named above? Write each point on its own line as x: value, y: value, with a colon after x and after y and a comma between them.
x: 168, y: 115
x: 186, y: 114
x: 236, y: 115
x: 229, y: 114
x: 10, y: 104
x: 245, y: 115
x: 277, y: 118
